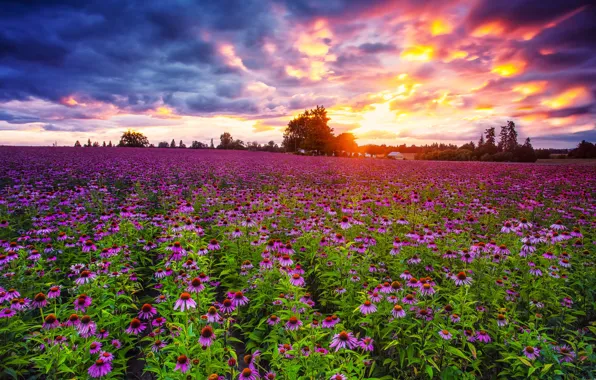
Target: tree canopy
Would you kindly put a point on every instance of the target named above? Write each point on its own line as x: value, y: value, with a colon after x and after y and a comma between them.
x: 133, y: 139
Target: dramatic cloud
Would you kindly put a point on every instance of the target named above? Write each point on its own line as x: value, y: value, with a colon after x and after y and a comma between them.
x: 388, y: 71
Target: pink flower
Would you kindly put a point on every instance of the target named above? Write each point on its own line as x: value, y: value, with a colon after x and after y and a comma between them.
x: 343, y: 340
x: 185, y: 302
x: 100, y: 368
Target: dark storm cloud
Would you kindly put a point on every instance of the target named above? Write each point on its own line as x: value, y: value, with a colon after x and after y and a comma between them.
x: 519, y: 13
x: 571, y: 138
x: 211, y: 104
x: 17, y: 119
x: 377, y: 47
x: 130, y: 54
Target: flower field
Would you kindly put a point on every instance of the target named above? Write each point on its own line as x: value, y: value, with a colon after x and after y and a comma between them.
x: 173, y: 264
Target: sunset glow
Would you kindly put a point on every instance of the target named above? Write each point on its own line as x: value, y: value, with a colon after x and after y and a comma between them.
x: 390, y: 72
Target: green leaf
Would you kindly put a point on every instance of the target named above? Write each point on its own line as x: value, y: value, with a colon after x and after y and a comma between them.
x: 546, y: 368
x: 457, y: 352
x: 524, y: 360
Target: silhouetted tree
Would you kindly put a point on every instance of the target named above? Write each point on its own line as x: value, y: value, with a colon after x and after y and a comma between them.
x: 77, y: 144
x: 346, y: 142
x: 181, y: 145
x: 133, y: 139
x: 163, y: 144
x: 110, y: 144
x: 309, y: 131
x: 104, y: 144
x: 585, y: 149
x: 212, y: 146
x: 226, y: 141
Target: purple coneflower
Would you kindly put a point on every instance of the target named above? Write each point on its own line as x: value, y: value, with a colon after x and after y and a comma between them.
x: 568, y: 355
x: 247, y: 374
x: 297, y: 280
x: 445, y: 334
x: 207, y: 336
x: 366, y: 344
x: 531, y: 352
x: 50, y: 322
x: 293, y: 324
x: 227, y: 306
x: 82, y: 303
x: 94, y: 347
x: 85, y: 277
x: 39, y: 300
x: 343, y: 340
x: 213, y: 245
x: 367, y: 307
x: 54, y: 292
x: 462, y: 279
x: 100, y: 368
x: 398, y: 311
x: 273, y: 320
x: 7, y: 313
x: 158, y: 345
x: 185, y: 302
x: 338, y: 376
x: 483, y: 336
x: 195, y: 285
x: 147, y: 311
x: 135, y: 327
x: 182, y: 364
x: 239, y: 299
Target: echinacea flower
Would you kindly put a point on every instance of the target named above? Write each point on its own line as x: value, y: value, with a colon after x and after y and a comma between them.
x: 147, y: 311
x: 185, y: 302
x: 338, y: 376
x: 82, y: 303
x: 567, y: 354
x: 293, y: 324
x: 367, y: 307
x: 54, y: 292
x: 239, y: 299
x: 50, y: 322
x: 100, y: 368
x: 182, y: 364
x: 39, y: 301
x: 445, y: 334
x: 483, y: 336
x: 247, y: 374
x: 135, y: 327
x: 531, y: 352
x: 273, y: 320
x: 157, y: 345
x: 207, y: 336
x: 297, y: 280
x: 366, y: 344
x: 462, y: 279
x: 7, y: 313
x: 94, y: 347
x: 195, y: 286
x: 343, y: 340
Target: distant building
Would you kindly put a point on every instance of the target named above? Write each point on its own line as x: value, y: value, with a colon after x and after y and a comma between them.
x: 396, y: 156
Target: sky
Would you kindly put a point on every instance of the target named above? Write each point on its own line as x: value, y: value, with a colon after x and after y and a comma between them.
x: 391, y: 72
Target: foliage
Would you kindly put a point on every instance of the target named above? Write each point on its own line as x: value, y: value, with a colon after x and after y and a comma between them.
x: 133, y: 139
x: 491, y: 265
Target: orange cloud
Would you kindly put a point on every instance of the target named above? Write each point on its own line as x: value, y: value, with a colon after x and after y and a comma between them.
x: 423, y: 53
x: 508, y: 69
x: 259, y: 126
x: 439, y: 26
x: 575, y: 96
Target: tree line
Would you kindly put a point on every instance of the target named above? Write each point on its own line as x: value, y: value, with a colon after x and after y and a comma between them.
x: 309, y: 133
x: 487, y: 149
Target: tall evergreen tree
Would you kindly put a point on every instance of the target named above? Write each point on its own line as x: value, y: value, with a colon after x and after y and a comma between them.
x: 173, y: 144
